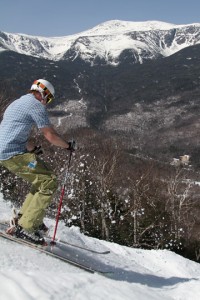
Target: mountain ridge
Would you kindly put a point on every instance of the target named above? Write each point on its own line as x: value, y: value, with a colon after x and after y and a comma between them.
x: 108, y: 41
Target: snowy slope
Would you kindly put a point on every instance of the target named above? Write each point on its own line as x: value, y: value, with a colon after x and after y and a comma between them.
x: 140, y: 274
x: 107, y: 41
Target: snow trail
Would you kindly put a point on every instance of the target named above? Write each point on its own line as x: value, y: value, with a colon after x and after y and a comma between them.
x: 26, y: 274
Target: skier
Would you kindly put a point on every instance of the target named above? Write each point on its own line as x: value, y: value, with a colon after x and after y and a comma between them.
x: 21, y: 158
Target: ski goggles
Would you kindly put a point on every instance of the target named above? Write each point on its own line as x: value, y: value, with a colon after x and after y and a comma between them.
x: 49, y: 98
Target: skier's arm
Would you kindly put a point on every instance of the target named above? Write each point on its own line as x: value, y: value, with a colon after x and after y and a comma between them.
x: 53, y: 137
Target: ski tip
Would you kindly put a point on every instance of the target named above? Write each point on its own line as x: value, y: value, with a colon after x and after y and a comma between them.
x: 106, y: 252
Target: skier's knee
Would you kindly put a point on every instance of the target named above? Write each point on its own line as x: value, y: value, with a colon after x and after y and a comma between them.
x: 50, y: 185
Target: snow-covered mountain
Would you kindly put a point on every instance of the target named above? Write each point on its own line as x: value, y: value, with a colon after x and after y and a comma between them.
x: 158, y: 100
x: 108, y: 42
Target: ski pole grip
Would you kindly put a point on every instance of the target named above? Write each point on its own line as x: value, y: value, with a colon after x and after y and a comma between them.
x: 72, y: 145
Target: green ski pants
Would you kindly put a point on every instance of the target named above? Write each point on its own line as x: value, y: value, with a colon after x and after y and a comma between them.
x: 44, y: 183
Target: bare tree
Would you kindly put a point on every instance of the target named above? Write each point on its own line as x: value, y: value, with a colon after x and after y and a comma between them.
x: 179, y: 202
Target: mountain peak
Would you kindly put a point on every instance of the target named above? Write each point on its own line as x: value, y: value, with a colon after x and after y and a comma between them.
x: 118, y: 26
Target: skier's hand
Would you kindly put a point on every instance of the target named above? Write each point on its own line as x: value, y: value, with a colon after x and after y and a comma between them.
x: 37, y: 150
x: 72, y: 145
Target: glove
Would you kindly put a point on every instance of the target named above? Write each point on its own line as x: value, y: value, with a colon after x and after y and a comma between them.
x: 71, y: 146
x: 37, y: 150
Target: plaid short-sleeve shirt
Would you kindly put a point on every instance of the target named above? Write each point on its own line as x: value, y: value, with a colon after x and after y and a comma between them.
x: 18, y: 120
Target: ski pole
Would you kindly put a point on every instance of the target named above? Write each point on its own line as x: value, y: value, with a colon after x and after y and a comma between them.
x: 61, y: 197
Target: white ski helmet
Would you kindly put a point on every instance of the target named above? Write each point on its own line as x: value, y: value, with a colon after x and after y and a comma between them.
x: 45, y: 88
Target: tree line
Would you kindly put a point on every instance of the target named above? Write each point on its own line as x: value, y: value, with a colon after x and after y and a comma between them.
x: 119, y: 197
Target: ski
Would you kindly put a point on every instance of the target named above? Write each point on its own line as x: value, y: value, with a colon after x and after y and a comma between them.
x: 80, y: 258
x: 81, y: 247
x: 43, y: 249
x: 70, y: 244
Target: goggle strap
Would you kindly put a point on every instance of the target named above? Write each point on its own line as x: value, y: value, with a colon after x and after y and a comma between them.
x: 42, y: 86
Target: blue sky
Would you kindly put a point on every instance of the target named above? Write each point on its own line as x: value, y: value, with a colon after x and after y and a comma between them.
x: 63, y: 17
